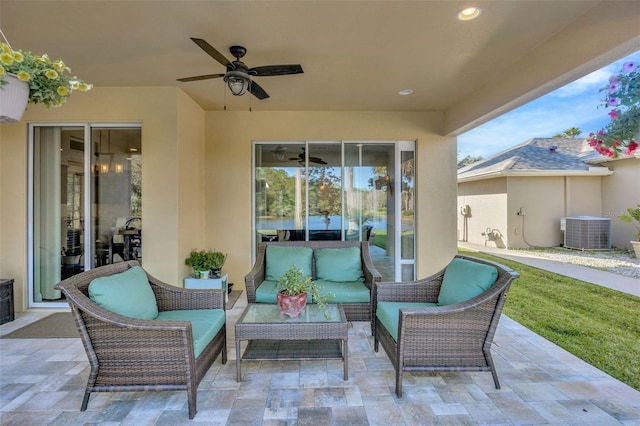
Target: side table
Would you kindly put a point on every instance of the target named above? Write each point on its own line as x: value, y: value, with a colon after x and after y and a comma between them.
x: 6, y: 300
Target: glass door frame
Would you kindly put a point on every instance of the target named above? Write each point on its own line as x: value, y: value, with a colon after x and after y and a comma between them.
x: 87, y: 238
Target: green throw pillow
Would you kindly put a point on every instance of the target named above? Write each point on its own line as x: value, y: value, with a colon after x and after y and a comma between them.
x: 338, y: 264
x: 464, y: 280
x: 280, y: 258
x: 127, y: 293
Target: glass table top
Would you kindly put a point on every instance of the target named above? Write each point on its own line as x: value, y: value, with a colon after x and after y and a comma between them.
x: 268, y: 314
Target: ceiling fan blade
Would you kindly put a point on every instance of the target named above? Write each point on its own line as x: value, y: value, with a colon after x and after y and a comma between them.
x: 211, y: 51
x: 201, y: 77
x: 317, y: 160
x: 257, y: 91
x: 270, y: 70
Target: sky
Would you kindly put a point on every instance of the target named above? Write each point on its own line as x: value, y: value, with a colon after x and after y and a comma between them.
x: 575, y: 105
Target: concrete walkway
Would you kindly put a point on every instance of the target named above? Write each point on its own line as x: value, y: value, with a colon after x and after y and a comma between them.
x: 583, y: 273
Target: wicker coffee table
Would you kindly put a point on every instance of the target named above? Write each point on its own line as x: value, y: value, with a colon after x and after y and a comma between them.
x: 308, y: 337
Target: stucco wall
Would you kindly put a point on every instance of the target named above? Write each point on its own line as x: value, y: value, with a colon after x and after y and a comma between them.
x: 545, y: 200
x: 620, y: 191
x: 195, y: 200
x: 228, y: 173
x: 168, y: 119
x: 487, y: 201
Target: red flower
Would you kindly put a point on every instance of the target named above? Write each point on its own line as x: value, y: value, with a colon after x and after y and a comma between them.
x: 613, y: 114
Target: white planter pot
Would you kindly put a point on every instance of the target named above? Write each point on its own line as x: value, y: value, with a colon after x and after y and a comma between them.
x: 13, y: 99
x: 636, y: 248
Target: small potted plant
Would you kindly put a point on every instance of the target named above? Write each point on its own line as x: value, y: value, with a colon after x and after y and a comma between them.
x: 633, y: 216
x: 214, y: 261
x: 196, y: 260
x: 292, y: 298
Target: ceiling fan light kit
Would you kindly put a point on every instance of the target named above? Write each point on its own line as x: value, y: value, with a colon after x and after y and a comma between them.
x: 238, y: 82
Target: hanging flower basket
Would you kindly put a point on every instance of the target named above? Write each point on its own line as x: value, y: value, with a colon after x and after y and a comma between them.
x: 13, y: 99
x: 42, y: 80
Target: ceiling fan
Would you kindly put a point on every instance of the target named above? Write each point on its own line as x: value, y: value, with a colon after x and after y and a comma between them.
x: 300, y: 158
x: 238, y: 76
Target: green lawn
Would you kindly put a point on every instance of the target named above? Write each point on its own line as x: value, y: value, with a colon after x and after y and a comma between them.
x: 597, y: 324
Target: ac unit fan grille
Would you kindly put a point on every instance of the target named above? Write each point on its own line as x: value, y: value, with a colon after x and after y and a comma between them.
x: 588, y: 233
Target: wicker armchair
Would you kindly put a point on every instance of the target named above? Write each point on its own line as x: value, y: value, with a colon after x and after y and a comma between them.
x: 442, y: 338
x: 129, y: 354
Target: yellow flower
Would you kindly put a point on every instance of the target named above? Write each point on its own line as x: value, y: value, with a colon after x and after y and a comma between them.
x: 6, y: 48
x: 83, y: 87
x: 18, y: 57
x: 24, y: 76
x: 58, y: 65
x: 6, y: 58
x: 74, y: 84
x: 51, y: 74
x: 62, y: 91
x: 2, y: 72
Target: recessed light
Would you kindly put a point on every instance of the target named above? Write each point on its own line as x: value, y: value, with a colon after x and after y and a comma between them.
x: 469, y: 13
x: 405, y: 92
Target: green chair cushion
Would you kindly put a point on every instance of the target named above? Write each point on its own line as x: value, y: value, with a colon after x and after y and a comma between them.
x: 345, y: 292
x: 389, y: 314
x: 338, y: 264
x: 464, y: 280
x: 127, y: 293
x: 280, y: 258
x: 205, y: 324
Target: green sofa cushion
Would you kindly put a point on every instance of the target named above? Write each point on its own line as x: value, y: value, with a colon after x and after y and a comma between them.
x: 389, y: 314
x: 280, y: 258
x: 205, y: 324
x: 345, y: 292
x: 338, y: 264
x: 464, y: 280
x: 127, y: 293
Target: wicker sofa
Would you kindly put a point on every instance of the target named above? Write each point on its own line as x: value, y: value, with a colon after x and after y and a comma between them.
x: 355, y: 311
x: 172, y: 352
x: 445, y: 322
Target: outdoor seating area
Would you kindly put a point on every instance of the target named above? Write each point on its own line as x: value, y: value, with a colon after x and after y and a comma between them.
x: 43, y: 383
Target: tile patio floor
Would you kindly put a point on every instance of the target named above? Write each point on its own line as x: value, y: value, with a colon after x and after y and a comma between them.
x: 42, y: 382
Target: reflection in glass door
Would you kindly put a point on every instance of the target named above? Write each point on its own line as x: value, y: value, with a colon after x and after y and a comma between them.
x: 64, y: 172
x: 339, y: 191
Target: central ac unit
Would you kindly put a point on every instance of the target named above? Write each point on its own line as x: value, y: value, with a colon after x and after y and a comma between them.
x: 587, y: 233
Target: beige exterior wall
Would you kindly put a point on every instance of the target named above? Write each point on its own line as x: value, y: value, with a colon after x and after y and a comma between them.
x: 620, y: 191
x: 228, y: 173
x: 197, y: 174
x: 487, y: 200
x: 169, y: 120
x: 545, y: 201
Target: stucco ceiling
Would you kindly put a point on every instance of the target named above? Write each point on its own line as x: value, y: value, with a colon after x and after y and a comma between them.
x: 356, y: 55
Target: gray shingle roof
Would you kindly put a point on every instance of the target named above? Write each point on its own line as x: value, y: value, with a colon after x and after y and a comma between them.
x: 536, y: 155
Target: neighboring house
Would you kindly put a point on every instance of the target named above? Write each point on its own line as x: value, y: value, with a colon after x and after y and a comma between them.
x: 516, y: 198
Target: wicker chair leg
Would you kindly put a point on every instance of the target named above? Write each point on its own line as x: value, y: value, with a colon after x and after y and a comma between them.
x: 398, y: 381
x: 191, y: 396
x: 487, y: 354
x: 85, y: 401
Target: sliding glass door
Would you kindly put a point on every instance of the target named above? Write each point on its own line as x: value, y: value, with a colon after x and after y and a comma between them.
x: 84, y: 202
x: 338, y: 190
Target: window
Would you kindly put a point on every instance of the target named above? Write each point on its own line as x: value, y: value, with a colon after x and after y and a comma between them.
x: 337, y: 190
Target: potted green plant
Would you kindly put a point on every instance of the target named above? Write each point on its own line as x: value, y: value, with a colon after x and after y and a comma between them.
x: 295, y: 286
x: 633, y: 216
x: 196, y: 260
x: 214, y: 261
x: 25, y: 77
